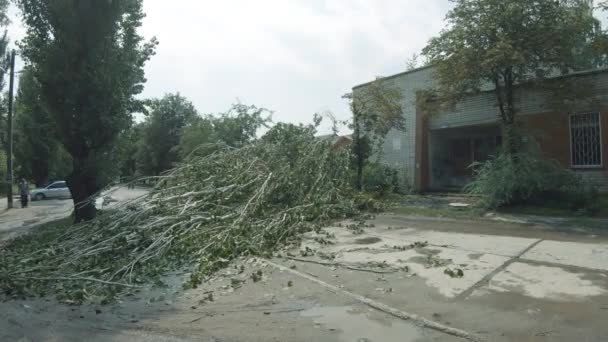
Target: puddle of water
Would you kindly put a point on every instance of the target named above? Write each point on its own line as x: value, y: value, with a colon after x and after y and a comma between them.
x: 368, y: 241
x: 355, y: 325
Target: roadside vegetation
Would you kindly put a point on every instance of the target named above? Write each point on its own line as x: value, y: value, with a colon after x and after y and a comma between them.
x: 221, y: 203
x: 529, y: 179
x: 219, y: 190
x: 510, y: 47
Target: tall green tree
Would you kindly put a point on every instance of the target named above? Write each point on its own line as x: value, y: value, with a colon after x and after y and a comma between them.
x: 376, y: 109
x: 127, y: 146
x: 38, y: 154
x: 239, y: 126
x: 4, y: 67
x: 198, y: 133
x: 159, y: 150
x: 89, y: 59
x: 503, y: 44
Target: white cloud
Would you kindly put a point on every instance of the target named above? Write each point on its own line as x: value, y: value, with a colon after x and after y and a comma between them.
x: 296, y: 57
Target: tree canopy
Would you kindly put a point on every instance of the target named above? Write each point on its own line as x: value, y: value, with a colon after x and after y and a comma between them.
x: 503, y: 44
x: 89, y: 59
x: 236, y: 128
x: 38, y: 154
x: 161, y: 133
x: 377, y: 109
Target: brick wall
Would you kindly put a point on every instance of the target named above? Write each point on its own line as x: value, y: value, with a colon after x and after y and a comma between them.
x: 552, y: 133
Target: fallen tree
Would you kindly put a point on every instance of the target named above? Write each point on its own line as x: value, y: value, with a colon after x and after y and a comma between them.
x: 219, y: 205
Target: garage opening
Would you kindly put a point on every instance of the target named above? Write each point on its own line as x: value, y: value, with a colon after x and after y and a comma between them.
x: 453, y: 150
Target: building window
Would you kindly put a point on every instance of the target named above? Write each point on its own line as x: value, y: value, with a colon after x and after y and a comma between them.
x: 586, y: 140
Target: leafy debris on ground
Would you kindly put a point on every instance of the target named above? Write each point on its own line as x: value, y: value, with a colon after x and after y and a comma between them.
x: 433, y: 261
x: 455, y: 273
x: 307, y: 251
x: 417, y: 244
x: 222, y: 204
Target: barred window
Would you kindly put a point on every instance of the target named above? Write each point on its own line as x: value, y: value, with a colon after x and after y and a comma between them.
x: 586, y: 140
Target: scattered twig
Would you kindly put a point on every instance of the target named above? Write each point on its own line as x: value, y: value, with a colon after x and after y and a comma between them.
x: 83, y: 279
x: 334, y: 264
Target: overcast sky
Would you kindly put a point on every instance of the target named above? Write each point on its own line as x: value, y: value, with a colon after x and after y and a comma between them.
x: 296, y: 57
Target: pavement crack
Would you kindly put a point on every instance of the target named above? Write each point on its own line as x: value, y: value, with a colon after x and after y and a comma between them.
x: 486, y: 280
x: 423, y: 322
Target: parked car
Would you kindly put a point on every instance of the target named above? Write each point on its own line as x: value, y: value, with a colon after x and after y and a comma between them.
x: 54, y: 190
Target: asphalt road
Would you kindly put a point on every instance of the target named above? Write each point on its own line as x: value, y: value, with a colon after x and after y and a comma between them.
x: 18, y: 221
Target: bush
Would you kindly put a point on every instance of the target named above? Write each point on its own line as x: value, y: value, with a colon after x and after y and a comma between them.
x: 528, y: 178
x: 380, y: 179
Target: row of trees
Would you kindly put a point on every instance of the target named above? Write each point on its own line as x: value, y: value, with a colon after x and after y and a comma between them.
x: 85, y: 63
x: 171, y: 131
x: 174, y: 129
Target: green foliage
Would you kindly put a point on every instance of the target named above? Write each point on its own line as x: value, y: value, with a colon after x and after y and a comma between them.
x: 2, y: 171
x: 89, y: 60
x: 237, y: 127
x: 380, y: 179
x: 4, y: 20
x: 377, y: 110
x: 240, y: 124
x: 38, y: 154
x: 497, y: 44
x: 527, y: 178
x: 200, y: 132
x: 201, y: 215
x: 4, y: 65
x: 288, y: 136
x: 162, y: 131
x: 127, y: 146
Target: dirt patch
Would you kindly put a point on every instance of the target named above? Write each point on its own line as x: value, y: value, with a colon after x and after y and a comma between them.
x: 368, y: 241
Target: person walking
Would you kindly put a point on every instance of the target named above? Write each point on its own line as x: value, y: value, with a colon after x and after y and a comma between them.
x: 24, y: 190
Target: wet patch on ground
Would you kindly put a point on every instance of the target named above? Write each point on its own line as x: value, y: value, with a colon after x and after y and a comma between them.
x: 368, y: 241
x: 548, y: 283
x: 475, y: 256
x: 361, y: 325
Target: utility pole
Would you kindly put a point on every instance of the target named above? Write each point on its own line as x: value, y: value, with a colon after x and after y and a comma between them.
x: 9, y: 152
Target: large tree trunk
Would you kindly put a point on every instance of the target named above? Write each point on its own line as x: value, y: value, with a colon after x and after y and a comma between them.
x: 510, y: 139
x: 506, y: 104
x: 83, y: 185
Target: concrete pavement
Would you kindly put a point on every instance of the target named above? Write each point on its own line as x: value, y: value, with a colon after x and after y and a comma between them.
x: 395, y: 279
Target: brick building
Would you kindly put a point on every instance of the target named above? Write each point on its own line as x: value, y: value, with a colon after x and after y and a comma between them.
x: 435, y: 151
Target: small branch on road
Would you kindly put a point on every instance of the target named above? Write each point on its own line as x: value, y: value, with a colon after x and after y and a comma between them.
x: 83, y: 279
x: 354, y: 268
